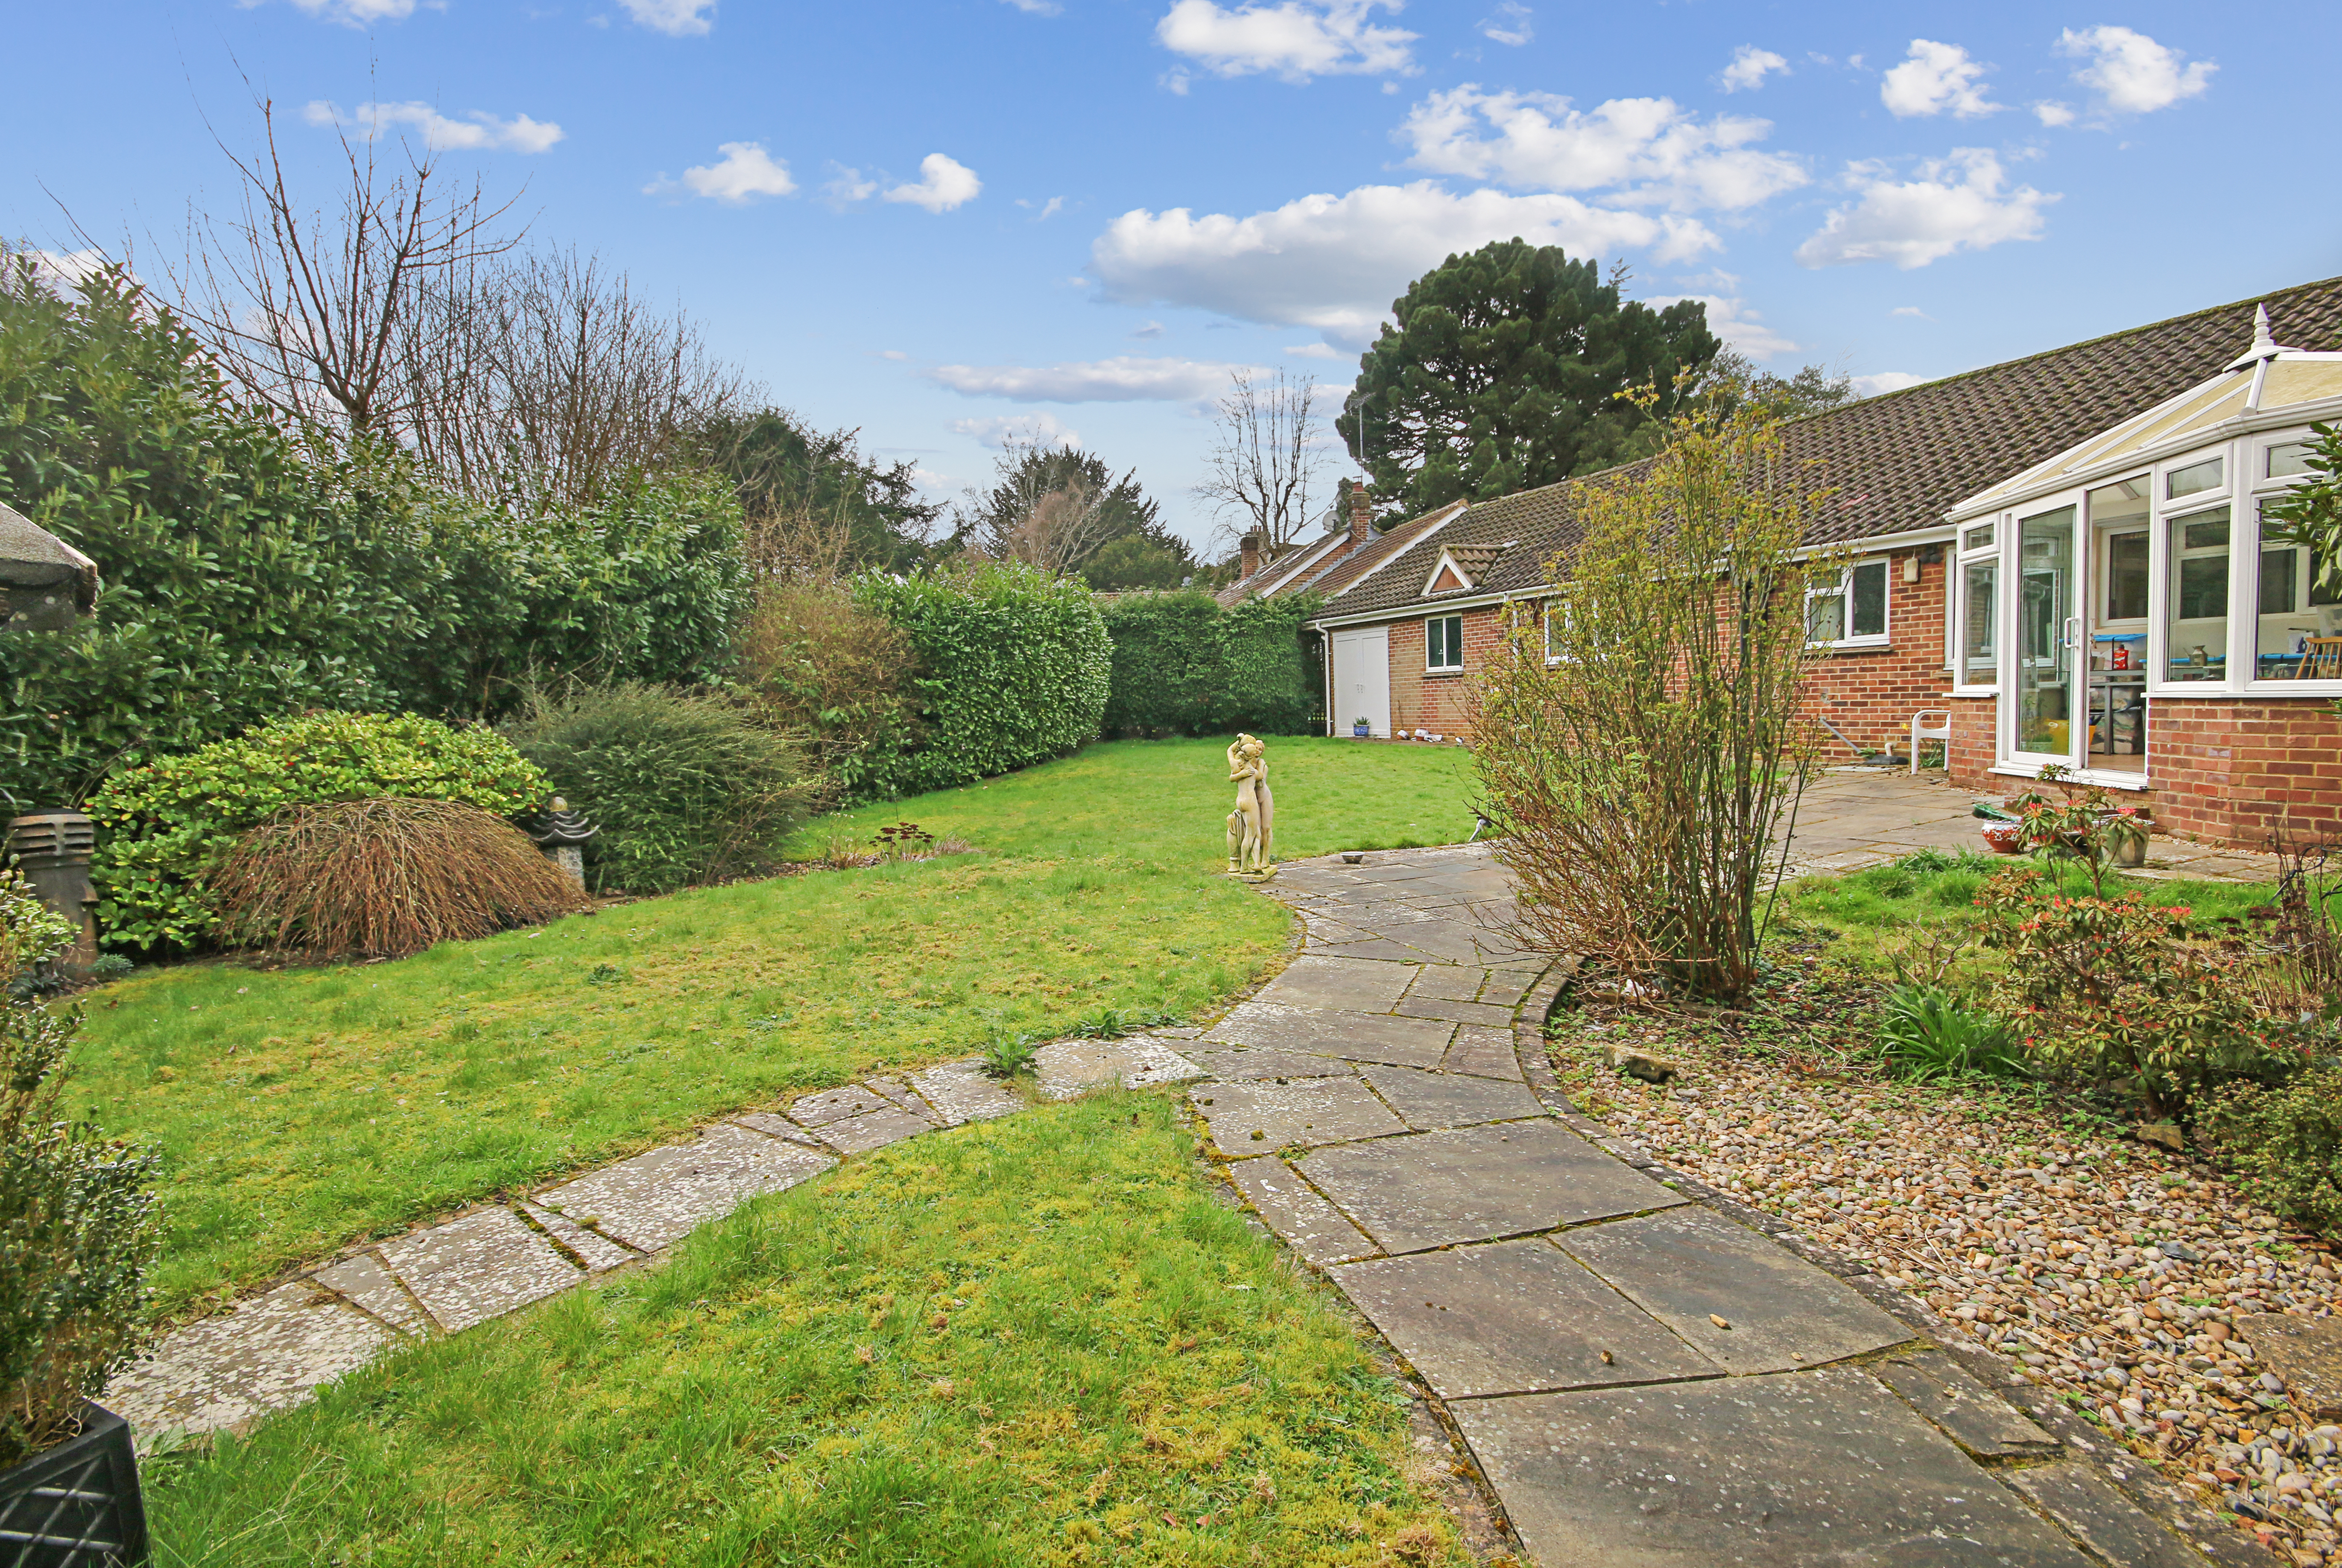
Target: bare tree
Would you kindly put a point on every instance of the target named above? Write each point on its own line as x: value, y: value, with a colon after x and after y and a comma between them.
x: 1267, y: 458
x: 313, y: 315
x: 1050, y: 509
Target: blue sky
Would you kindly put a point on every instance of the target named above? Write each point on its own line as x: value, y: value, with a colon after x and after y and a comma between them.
x: 945, y: 222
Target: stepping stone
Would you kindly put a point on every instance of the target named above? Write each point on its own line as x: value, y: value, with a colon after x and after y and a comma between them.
x: 1404, y: 1041
x: 479, y: 1267
x: 1312, y: 1226
x: 364, y: 1280
x: 876, y: 1130
x: 1987, y: 1426
x: 1448, y: 982
x: 1065, y: 1068
x: 1429, y: 1099
x: 1483, y: 1053
x: 1514, y: 1317
x: 837, y: 1104
x: 1760, y: 1473
x: 1347, y: 984
x: 1239, y: 1062
x: 1305, y: 1111
x: 656, y: 1198
x: 964, y: 1092
x: 1434, y: 1189
x: 1692, y: 1265
x: 270, y: 1353
x: 1458, y: 1012
x: 2079, y: 1497
x: 2305, y: 1353
x: 598, y: 1253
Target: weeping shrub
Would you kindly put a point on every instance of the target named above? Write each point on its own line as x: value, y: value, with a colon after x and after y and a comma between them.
x: 385, y: 879
x: 685, y: 785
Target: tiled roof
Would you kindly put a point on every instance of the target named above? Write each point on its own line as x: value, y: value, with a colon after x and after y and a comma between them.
x: 1900, y: 461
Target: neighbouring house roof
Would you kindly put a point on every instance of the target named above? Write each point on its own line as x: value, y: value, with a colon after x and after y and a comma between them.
x: 1899, y: 462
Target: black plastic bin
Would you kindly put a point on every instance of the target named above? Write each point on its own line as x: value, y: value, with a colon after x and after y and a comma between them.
x: 75, y: 1505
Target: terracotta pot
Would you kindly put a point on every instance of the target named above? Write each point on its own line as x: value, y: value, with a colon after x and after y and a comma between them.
x: 2005, y: 838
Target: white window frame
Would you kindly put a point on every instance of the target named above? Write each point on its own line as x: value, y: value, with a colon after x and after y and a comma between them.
x: 1844, y: 592
x: 2255, y: 491
x: 1457, y: 649
x: 1962, y: 555
x: 1547, y: 613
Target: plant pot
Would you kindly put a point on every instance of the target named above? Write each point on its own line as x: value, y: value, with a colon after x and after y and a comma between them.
x: 2131, y: 853
x: 2005, y: 838
x: 76, y: 1506
x: 1360, y: 732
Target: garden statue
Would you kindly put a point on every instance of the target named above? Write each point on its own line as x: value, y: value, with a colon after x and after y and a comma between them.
x: 1252, y: 827
x: 562, y: 834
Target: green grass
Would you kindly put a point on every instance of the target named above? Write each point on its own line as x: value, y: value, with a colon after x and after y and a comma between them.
x: 1031, y: 1342
x: 300, y: 1109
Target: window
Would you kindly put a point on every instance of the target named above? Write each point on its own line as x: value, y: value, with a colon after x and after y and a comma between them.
x: 2294, y: 606
x: 2192, y: 480
x: 2289, y: 459
x: 2126, y: 576
x: 1442, y: 643
x: 1980, y: 622
x: 2195, y: 647
x: 1850, y: 611
x: 1557, y: 618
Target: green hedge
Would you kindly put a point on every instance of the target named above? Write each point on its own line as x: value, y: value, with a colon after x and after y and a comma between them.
x: 169, y: 823
x: 1184, y: 665
x: 1013, y: 670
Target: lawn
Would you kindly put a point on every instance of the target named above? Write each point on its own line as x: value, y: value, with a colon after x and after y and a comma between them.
x: 298, y: 1110
x: 1028, y: 1342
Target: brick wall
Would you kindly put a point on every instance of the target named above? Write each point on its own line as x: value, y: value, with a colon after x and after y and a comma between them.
x: 2236, y: 770
x: 1437, y: 702
x: 1872, y: 693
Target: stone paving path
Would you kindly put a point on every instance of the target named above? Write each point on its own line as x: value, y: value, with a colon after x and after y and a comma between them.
x: 1645, y: 1372
x: 273, y: 1350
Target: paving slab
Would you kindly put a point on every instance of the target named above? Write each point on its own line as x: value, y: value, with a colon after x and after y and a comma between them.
x: 1345, y: 984
x: 1434, y: 1189
x: 1483, y: 1053
x: 2077, y: 1495
x: 1790, y: 1472
x: 1430, y: 1100
x: 1153, y: 1062
x: 598, y: 1253
x: 479, y: 1267
x: 835, y: 1105
x: 1514, y: 1317
x: 1448, y: 982
x: 2305, y: 1353
x: 1691, y: 1265
x: 364, y: 1280
x: 1353, y: 1036
x: 1065, y: 1068
x: 270, y: 1353
x: 1482, y: 1013
x: 861, y: 1134
x: 1312, y: 1226
x: 774, y: 1126
x: 654, y: 1199
x: 1443, y: 941
x: 1978, y: 1419
x: 1237, y: 1062
x: 1382, y: 949
x: 1261, y: 1117
x: 1509, y: 985
x: 964, y: 1092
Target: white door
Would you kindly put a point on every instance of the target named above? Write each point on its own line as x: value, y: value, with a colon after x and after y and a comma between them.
x: 1362, y: 679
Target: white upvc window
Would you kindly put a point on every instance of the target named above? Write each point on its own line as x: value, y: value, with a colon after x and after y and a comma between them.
x: 1557, y: 620
x: 1849, y: 612
x: 1443, y: 644
x: 1976, y: 609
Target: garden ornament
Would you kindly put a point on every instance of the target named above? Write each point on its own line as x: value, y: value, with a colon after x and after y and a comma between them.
x: 562, y: 834
x: 44, y: 583
x: 1252, y: 827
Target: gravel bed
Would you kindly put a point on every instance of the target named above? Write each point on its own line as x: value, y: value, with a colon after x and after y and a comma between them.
x: 2113, y: 1272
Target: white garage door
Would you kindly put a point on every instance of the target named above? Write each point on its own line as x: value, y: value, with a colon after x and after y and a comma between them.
x: 1362, y: 679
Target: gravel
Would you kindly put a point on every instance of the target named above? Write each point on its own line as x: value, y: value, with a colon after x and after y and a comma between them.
x: 2113, y: 1272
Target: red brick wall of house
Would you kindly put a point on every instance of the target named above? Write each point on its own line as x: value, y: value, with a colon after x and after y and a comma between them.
x: 2239, y: 770
x: 1438, y: 703
x: 1872, y: 693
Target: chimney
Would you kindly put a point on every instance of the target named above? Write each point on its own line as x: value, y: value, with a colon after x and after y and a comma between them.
x: 1362, y: 515
x: 1251, y: 557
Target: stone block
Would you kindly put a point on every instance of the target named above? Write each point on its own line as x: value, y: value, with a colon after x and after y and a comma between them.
x: 1354, y: 1037
x: 1483, y: 1013
x: 598, y: 1253
x: 2305, y: 1353
x: 1448, y: 982
x: 1978, y: 1419
x: 1483, y: 1053
x: 479, y: 1267
x: 268, y: 1353
x: 2079, y: 1497
x: 1344, y: 984
x: 1237, y: 1062
x: 364, y: 1280
x: 964, y: 1092
x: 836, y: 1104
x: 875, y: 1130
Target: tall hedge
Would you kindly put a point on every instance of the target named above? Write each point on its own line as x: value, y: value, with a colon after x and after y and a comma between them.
x: 1013, y: 670
x: 1184, y: 665
x: 245, y: 581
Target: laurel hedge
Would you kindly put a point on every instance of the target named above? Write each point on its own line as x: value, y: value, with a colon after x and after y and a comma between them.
x: 1183, y: 665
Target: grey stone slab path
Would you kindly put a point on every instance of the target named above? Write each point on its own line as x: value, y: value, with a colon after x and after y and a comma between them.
x: 273, y: 1350
x: 1644, y: 1374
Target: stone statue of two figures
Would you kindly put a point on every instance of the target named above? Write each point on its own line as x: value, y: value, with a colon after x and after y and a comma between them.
x: 1252, y: 827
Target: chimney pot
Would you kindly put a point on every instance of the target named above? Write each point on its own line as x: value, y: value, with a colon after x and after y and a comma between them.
x: 1362, y: 515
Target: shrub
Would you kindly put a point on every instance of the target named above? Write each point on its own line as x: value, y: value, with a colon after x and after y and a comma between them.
x: 1183, y: 665
x: 2284, y: 1142
x: 821, y: 666
x: 686, y: 786
x: 1013, y: 670
x: 170, y: 824
x: 384, y: 878
x: 1927, y: 1032
x: 77, y: 1219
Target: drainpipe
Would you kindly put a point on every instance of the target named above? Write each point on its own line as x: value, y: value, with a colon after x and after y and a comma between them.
x: 1325, y: 661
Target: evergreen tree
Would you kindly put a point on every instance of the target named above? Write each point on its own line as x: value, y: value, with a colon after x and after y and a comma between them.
x: 1514, y: 367
x: 1062, y: 509
x: 780, y: 464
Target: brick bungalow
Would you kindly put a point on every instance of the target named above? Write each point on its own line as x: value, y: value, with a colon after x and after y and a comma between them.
x: 2112, y: 484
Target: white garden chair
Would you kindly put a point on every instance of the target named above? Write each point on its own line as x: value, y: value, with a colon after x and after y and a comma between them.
x: 1923, y: 730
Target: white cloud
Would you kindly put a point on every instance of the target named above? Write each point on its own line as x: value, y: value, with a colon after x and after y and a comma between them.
x: 1729, y: 317
x: 2131, y: 72
x: 1151, y: 329
x: 1510, y: 25
x: 1956, y: 204
x: 675, y: 18
x: 1313, y: 351
x: 892, y: 354
x: 1046, y: 210
x: 1018, y: 430
x: 2053, y: 114
x: 1297, y: 39
x: 1125, y: 378
x: 1750, y: 65
x: 353, y: 13
x: 478, y: 131
x: 1938, y: 78
x: 1651, y: 149
x: 1336, y: 262
x: 1884, y: 381
x: 847, y: 184
x: 1038, y: 8
x: 64, y: 272
x: 744, y: 173
x: 1913, y: 311
x: 943, y: 184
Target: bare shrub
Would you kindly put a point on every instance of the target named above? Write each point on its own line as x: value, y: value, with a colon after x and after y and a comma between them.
x: 821, y: 666
x: 384, y: 878
x: 1265, y: 457
x: 1638, y: 771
